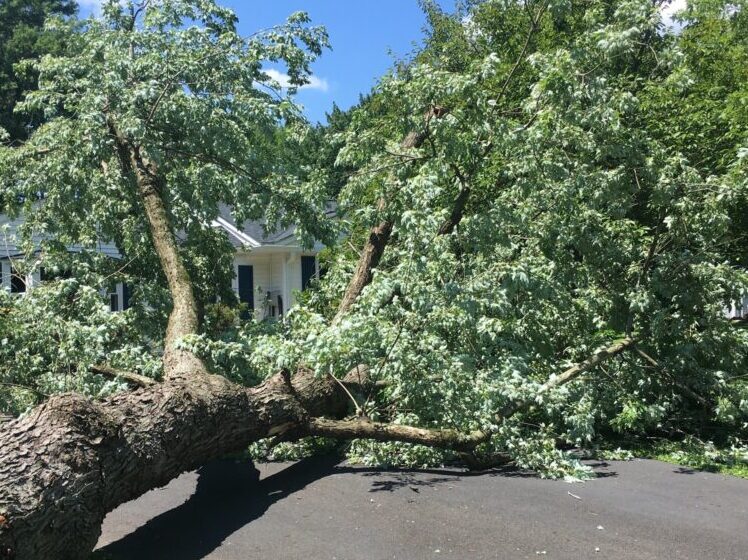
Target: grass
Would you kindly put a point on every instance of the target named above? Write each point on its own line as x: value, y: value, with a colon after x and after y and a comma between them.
x: 689, y: 452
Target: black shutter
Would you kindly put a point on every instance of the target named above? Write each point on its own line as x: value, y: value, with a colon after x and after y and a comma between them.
x: 125, y: 296
x: 246, y: 288
x: 308, y: 271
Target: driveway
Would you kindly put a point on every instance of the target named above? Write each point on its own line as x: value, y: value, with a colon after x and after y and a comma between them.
x: 318, y: 509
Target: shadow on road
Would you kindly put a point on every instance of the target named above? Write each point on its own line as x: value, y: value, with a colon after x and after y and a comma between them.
x: 230, y: 495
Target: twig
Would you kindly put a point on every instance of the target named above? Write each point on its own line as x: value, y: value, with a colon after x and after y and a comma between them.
x: 132, y: 378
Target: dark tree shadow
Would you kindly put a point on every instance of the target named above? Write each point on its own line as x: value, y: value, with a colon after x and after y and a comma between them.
x: 229, y: 495
x: 597, y: 465
x: 685, y: 470
x: 394, y: 478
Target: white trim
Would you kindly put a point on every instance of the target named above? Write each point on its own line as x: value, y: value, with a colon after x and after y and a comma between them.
x: 275, y: 249
x: 5, y: 276
x: 246, y: 239
x: 287, y: 294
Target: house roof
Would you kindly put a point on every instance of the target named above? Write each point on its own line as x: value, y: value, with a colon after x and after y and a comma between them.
x: 251, y: 233
x: 10, y: 246
x: 247, y: 235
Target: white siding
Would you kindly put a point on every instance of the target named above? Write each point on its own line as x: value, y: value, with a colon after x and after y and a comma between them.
x: 294, y: 277
x: 738, y: 309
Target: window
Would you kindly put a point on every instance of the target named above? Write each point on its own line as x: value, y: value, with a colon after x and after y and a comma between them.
x: 125, y: 297
x: 17, y: 281
x: 113, y: 298
x: 55, y: 273
x: 114, y: 302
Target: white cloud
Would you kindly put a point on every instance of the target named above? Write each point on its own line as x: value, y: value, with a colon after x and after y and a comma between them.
x: 669, y: 10
x: 94, y: 6
x: 319, y: 84
x: 90, y: 4
x: 91, y: 7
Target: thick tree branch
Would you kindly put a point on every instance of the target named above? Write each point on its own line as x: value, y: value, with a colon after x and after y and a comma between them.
x: 379, y: 431
x: 184, y: 317
x: 458, y: 206
x: 602, y: 355
x: 71, y: 460
x: 369, y: 259
x: 379, y: 235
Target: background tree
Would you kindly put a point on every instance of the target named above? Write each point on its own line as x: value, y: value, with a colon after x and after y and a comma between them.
x: 22, y: 37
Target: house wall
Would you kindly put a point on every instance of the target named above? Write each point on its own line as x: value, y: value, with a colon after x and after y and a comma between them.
x: 738, y: 309
x: 278, y: 272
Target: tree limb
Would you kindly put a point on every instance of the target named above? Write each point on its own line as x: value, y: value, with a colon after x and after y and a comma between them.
x: 458, y: 206
x: 379, y: 235
x: 184, y: 317
x: 380, y: 431
x: 682, y: 387
x: 456, y: 440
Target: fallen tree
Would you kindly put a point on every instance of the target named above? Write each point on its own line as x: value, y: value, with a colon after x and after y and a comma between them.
x: 176, y: 120
x: 72, y: 460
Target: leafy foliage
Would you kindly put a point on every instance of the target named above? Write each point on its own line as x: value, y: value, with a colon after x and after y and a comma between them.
x: 731, y: 458
x: 50, y: 338
x: 584, y: 223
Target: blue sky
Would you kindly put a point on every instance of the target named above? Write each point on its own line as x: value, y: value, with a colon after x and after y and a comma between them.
x: 365, y: 36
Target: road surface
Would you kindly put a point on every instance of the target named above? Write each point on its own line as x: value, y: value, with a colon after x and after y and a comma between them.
x: 319, y: 510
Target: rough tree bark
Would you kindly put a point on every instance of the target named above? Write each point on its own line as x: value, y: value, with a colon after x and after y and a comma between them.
x: 70, y: 461
x: 184, y: 317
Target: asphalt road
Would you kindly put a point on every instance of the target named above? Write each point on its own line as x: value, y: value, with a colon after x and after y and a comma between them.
x: 316, y: 509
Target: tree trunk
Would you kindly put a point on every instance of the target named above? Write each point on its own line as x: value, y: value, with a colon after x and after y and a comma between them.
x: 68, y: 463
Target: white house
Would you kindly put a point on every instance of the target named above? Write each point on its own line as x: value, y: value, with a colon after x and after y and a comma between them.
x: 738, y: 310
x: 269, y: 268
